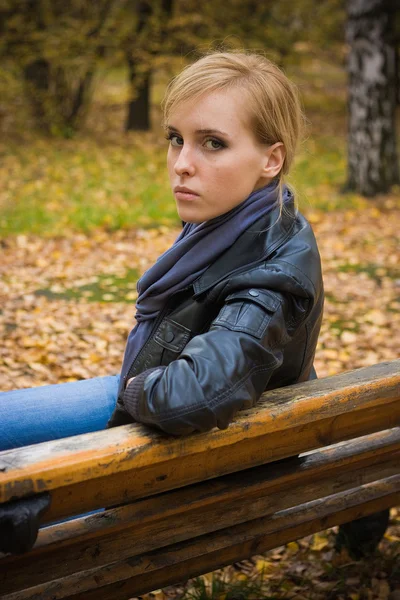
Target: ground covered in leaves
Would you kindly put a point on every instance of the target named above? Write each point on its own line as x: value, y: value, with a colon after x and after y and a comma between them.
x: 67, y: 305
x: 308, y: 569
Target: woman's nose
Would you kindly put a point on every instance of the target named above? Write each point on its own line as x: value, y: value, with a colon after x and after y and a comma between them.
x: 184, y: 164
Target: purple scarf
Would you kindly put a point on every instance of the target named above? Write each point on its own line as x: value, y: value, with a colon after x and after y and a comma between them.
x: 196, y: 247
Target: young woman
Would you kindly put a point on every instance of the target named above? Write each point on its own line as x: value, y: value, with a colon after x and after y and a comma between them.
x: 234, y: 307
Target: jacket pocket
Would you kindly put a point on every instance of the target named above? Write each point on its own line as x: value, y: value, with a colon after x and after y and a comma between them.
x: 248, y: 311
x: 172, y: 335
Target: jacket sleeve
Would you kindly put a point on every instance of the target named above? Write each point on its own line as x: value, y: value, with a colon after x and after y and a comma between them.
x: 221, y: 371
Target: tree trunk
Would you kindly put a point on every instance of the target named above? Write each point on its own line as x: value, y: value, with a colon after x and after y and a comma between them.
x: 138, y: 117
x: 81, y: 100
x: 372, y: 156
x: 398, y: 72
x: 37, y: 82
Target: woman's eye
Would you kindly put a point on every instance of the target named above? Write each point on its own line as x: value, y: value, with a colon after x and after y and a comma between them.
x: 213, y: 144
x: 175, y: 140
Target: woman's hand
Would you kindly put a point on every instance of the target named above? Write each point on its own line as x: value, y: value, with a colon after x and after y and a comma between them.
x: 19, y: 522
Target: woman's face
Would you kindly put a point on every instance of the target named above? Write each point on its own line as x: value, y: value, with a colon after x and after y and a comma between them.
x: 214, y: 160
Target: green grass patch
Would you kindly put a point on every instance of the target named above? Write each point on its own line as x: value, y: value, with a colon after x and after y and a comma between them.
x: 340, y: 325
x: 99, y: 288
x: 53, y: 186
x: 101, y: 178
x: 372, y: 270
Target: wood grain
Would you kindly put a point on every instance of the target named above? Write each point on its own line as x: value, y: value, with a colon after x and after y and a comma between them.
x: 120, y: 580
x: 92, y: 543
x: 109, y: 467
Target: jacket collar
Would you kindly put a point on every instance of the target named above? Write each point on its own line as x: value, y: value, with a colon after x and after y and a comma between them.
x: 253, y: 246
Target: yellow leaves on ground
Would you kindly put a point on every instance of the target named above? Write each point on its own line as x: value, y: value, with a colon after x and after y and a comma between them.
x: 308, y: 569
x: 361, y: 267
x: 319, y: 542
x: 54, y: 338
x: 292, y: 547
x: 78, y: 326
x: 264, y: 566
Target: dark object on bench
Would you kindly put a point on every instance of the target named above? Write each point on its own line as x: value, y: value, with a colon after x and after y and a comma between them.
x: 196, y: 503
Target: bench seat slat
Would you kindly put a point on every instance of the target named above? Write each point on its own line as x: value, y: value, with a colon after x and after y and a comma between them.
x: 233, y: 545
x: 123, y: 579
x: 91, y: 543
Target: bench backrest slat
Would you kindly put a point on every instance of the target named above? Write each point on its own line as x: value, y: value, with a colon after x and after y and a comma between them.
x: 99, y: 469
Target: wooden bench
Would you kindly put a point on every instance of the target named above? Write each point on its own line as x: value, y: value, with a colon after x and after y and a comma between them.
x: 196, y: 503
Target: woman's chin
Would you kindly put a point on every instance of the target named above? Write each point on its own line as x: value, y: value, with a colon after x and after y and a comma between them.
x: 189, y: 216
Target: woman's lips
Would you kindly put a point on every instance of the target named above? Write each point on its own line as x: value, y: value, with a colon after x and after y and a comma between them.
x: 182, y: 193
x: 186, y: 196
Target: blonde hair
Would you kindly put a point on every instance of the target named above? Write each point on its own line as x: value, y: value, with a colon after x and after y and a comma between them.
x: 272, y: 99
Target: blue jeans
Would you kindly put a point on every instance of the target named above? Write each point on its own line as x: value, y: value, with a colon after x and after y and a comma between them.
x: 50, y: 412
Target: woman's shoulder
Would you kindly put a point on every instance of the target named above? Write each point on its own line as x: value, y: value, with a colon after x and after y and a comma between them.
x: 279, y: 247
x: 291, y: 252
x: 284, y: 228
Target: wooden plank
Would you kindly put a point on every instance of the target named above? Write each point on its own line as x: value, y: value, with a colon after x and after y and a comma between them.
x: 123, y: 579
x: 126, y: 463
x: 201, y: 508
x: 135, y: 484
x: 168, y: 572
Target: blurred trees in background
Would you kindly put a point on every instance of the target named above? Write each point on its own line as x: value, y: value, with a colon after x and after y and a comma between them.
x: 56, y: 48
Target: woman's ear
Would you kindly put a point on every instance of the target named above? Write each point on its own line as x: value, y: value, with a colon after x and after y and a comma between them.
x: 274, y: 158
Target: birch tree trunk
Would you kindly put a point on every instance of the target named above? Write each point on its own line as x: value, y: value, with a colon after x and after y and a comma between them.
x: 372, y: 156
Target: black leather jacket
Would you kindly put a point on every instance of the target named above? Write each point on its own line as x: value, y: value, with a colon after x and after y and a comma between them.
x: 249, y: 323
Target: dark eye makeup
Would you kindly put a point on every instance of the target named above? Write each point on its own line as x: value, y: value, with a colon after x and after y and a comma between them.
x: 174, y: 136
x: 214, y: 143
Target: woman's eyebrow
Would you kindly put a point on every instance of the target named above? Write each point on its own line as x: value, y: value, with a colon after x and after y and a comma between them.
x: 212, y: 131
x: 202, y: 131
